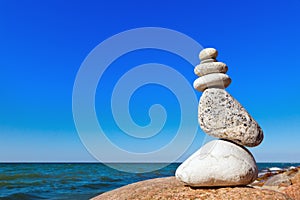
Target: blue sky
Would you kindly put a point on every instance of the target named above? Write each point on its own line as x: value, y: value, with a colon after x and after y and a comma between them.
x: 43, y: 44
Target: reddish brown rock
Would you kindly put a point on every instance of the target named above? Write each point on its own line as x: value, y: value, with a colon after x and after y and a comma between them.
x: 293, y: 191
x: 292, y: 172
x: 296, y: 178
x: 170, y: 188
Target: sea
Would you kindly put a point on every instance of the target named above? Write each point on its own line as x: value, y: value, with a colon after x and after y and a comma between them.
x: 28, y: 181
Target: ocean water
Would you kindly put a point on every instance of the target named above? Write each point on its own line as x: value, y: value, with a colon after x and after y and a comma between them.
x: 76, y: 181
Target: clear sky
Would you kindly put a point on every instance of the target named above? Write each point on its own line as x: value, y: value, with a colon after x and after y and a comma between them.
x: 43, y: 44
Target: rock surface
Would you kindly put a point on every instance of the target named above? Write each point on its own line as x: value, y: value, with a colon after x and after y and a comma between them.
x: 293, y: 191
x: 296, y: 178
x: 218, y: 163
x: 279, y: 180
x: 222, y: 116
x: 215, y: 80
x: 171, y: 189
x: 209, y: 68
x: 277, y: 177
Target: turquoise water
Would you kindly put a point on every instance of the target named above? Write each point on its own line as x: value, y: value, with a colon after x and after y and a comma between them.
x: 76, y: 181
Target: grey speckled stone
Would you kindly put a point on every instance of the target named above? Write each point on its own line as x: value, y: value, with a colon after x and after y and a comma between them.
x: 278, y: 180
x: 220, y: 115
x: 215, y: 80
x: 209, y: 68
x: 218, y: 163
x: 208, y: 53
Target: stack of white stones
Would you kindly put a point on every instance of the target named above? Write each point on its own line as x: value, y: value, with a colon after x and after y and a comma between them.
x: 222, y: 162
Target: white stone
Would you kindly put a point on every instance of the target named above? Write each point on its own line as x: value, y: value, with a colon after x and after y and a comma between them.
x: 218, y: 163
x: 215, y: 80
x: 209, y: 60
x: 222, y: 116
x: 208, y: 53
x: 209, y: 68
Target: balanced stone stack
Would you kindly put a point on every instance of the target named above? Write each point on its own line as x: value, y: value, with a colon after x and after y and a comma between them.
x: 224, y: 161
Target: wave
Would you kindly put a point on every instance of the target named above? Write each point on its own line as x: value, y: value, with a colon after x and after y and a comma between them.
x: 11, y: 177
x: 109, y: 179
x: 21, y: 196
x: 97, y: 185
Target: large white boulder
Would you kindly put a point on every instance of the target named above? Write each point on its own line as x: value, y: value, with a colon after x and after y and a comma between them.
x: 218, y: 163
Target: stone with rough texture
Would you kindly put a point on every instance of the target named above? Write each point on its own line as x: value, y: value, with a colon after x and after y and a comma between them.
x: 208, y: 53
x: 215, y: 80
x: 222, y: 116
x: 170, y: 189
x: 296, y: 178
x: 209, y: 68
x: 279, y: 180
x: 293, y: 191
x: 218, y: 163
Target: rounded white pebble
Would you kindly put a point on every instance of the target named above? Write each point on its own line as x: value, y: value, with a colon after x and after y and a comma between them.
x: 215, y: 80
x: 209, y: 68
x: 208, y: 53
